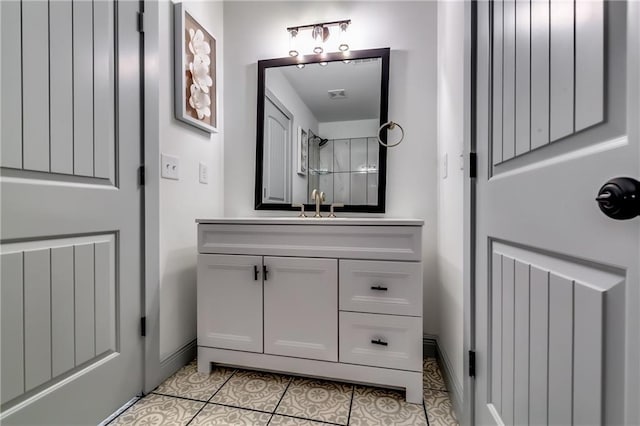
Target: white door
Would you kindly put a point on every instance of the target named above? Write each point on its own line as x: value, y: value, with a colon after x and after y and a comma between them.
x: 71, y: 211
x: 557, y: 287
x: 277, y: 143
x: 301, y: 307
x: 230, y: 302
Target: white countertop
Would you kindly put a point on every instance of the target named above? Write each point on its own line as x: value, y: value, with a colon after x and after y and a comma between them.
x: 354, y: 221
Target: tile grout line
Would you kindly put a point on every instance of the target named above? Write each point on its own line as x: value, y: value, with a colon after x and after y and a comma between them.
x: 306, y: 418
x: 280, y: 400
x: 436, y: 389
x: 353, y: 391
x: 424, y: 406
x: 211, y: 397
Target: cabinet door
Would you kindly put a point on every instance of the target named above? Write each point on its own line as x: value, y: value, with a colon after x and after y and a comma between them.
x: 301, y: 307
x: 230, y: 302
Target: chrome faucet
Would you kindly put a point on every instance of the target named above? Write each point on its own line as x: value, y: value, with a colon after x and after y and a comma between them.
x: 318, y: 197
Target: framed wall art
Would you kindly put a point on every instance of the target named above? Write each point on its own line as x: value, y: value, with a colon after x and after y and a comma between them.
x: 195, y: 72
x: 303, y: 151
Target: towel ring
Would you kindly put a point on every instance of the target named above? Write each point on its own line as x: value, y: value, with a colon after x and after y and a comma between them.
x: 391, y: 125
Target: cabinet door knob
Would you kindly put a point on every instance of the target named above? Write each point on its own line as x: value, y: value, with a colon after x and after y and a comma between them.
x: 379, y: 288
x: 379, y: 342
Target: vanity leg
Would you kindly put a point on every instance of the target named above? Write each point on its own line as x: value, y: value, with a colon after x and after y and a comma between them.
x: 414, y: 390
x: 204, y: 365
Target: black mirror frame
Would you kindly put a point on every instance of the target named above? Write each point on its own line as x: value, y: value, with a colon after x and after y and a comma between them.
x: 382, y: 53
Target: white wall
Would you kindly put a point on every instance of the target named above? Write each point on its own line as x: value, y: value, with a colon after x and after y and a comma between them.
x: 181, y: 202
x: 349, y: 129
x: 450, y: 189
x: 257, y: 30
x: 278, y: 84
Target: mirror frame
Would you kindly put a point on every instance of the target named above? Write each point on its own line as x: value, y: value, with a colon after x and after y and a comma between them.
x: 263, y: 65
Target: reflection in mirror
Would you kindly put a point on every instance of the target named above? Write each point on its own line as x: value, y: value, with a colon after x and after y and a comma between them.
x: 345, y: 169
x: 319, y: 131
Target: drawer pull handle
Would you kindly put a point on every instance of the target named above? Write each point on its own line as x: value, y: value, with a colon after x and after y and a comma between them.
x: 255, y: 272
x: 379, y: 342
x: 379, y: 288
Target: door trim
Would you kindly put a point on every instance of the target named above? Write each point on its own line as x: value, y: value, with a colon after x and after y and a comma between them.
x: 469, y: 207
x: 151, y: 124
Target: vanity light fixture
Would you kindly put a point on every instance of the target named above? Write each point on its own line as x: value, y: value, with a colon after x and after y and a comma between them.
x: 320, y: 34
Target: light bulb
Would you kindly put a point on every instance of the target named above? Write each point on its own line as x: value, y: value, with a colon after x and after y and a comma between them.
x: 293, y: 34
x: 344, y: 46
x: 319, y: 34
x: 323, y: 64
x: 300, y: 66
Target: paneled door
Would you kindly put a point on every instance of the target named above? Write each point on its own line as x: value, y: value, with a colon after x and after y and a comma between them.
x: 557, y: 297
x: 277, y: 148
x: 71, y: 210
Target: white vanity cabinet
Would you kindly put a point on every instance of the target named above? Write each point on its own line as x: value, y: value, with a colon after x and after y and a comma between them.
x: 300, y: 298
x: 330, y: 298
x: 244, y: 301
x: 230, y: 302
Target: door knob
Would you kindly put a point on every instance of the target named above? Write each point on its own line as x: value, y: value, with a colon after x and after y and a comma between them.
x: 619, y: 198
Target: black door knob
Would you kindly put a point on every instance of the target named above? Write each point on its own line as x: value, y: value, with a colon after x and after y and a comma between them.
x: 619, y: 198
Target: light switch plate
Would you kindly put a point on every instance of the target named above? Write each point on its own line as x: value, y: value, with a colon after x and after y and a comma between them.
x: 170, y: 167
x: 203, y: 173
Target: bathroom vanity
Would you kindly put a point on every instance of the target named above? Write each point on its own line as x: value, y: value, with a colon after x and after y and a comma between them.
x: 337, y: 298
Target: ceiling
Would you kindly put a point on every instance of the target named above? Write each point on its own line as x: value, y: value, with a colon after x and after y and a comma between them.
x: 360, y: 80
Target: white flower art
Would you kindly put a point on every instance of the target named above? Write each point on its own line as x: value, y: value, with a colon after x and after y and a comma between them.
x: 200, y: 101
x: 200, y: 74
x: 199, y: 68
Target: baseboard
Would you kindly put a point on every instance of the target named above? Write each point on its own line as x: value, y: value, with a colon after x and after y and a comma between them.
x: 431, y: 348
x: 178, y: 359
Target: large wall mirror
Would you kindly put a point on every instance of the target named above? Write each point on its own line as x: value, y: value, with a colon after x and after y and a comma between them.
x: 318, y: 120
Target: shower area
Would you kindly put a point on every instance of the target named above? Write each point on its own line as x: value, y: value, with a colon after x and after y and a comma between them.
x: 346, y: 170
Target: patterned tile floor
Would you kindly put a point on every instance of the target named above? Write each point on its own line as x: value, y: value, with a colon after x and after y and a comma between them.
x: 251, y: 398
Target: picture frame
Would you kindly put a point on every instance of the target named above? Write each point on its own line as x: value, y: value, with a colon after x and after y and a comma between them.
x: 303, y: 151
x: 195, y: 86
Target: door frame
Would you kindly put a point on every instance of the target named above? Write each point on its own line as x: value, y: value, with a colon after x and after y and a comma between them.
x: 154, y: 373
x: 469, y: 208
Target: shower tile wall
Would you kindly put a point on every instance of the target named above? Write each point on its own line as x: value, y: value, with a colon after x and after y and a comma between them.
x: 372, y: 176
x: 341, y: 164
x: 347, y: 170
x: 326, y: 163
x: 358, y: 164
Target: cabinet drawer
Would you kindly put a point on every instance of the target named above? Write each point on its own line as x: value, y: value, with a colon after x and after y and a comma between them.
x: 381, y: 340
x: 381, y: 287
